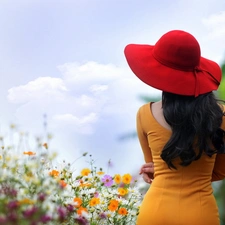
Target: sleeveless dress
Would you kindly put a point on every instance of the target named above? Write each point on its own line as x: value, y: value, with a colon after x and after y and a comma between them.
x: 176, y: 197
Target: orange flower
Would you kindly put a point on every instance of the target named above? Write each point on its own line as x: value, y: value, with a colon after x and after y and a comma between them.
x: 45, y: 145
x: 100, y: 173
x: 26, y: 201
x: 29, y: 153
x: 85, y: 172
x: 113, y: 205
x: 80, y: 210
x: 82, y: 184
x: 122, y: 211
x: 54, y: 173
x: 117, y: 178
x: 122, y: 191
x: 127, y: 178
x: 78, y: 202
x: 62, y: 183
x: 94, y: 201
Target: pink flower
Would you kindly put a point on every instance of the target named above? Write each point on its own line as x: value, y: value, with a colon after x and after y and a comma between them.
x: 107, y: 180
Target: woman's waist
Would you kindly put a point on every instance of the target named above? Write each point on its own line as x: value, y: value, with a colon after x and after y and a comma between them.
x: 182, y: 183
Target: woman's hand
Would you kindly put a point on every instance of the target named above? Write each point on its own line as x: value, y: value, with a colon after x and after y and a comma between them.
x: 147, y: 172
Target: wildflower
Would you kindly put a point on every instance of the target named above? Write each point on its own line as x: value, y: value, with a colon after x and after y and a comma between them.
x: 70, y: 208
x: 26, y: 201
x: 62, y: 183
x: 103, y: 215
x: 94, y: 201
x: 85, y: 172
x: 117, y: 178
x: 77, y: 202
x: 45, y: 218
x: 100, y: 173
x: 62, y: 214
x: 81, y: 220
x: 81, y: 210
x: 30, y: 153
x: 45, y: 145
x: 3, y: 220
x: 107, y: 180
x: 41, y: 197
x: 96, y: 194
x: 127, y: 178
x: 30, y: 212
x: 12, y: 205
x: 122, y: 211
x: 13, y: 218
x: 122, y: 191
x: 113, y: 205
x: 82, y: 184
x: 54, y: 173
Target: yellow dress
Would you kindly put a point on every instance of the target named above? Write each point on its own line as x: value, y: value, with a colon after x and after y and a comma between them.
x: 177, y: 197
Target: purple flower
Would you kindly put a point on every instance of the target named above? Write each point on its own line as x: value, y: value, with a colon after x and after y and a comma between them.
x: 61, y: 213
x: 96, y: 194
x: 81, y: 220
x: 13, y: 217
x: 45, y: 218
x: 12, y: 205
x: 107, y: 180
x: 30, y: 212
x: 41, y: 197
x: 102, y: 215
x: 2, y: 220
x: 70, y: 208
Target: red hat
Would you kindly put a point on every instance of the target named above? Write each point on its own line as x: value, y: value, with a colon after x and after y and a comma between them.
x: 174, y: 64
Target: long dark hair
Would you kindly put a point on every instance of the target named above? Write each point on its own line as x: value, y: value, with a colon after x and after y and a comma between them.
x: 195, y: 124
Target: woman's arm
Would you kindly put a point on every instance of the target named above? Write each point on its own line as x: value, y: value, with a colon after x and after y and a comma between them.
x: 147, y: 169
x: 142, y: 136
x: 219, y: 168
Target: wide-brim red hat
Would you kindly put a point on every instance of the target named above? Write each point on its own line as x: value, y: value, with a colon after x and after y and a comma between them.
x: 174, y: 64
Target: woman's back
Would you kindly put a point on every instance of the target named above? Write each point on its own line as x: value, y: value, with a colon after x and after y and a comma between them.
x: 181, y: 196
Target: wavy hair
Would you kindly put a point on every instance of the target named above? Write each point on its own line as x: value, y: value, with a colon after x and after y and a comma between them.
x: 195, y: 124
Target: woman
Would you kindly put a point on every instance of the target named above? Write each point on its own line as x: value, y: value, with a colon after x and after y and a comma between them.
x: 183, y: 135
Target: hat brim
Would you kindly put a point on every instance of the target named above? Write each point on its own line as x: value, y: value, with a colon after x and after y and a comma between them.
x: 153, y: 73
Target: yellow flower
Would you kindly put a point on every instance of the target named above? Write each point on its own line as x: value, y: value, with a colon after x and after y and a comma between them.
x: 100, y: 173
x: 117, y: 179
x: 29, y: 153
x: 122, y: 191
x: 122, y: 211
x: 0, y: 157
x: 127, y: 178
x: 94, y: 201
x: 85, y: 172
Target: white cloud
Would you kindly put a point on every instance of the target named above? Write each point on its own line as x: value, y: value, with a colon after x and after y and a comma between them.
x: 84, y: 90
x: 37, y: 89
x: 98, y: 88
x: 80, y: 124
x: 216, y: 24
x: 215, y: 19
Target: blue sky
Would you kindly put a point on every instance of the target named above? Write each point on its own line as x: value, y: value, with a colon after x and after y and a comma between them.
x: 65, y: 58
